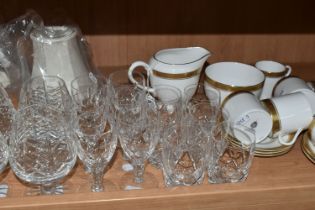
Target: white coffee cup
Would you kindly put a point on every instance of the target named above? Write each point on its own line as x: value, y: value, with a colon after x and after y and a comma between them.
x: 229, y: 77
x: 245, y: 109
x: 273, y: 71
x: 290, y: 113
x: 295, y: 84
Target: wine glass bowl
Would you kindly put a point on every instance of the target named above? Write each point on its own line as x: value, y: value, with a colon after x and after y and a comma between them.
x: 42, y: 147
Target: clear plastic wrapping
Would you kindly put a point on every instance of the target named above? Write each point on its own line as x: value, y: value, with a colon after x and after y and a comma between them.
x: 28, y: 48
x: 18, y: 30
x: 61, y: 51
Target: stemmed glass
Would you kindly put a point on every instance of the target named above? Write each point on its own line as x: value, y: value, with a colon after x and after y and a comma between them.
x: 138, y: 140
x: 95, y: 146
x: 137, y: 134
x: 89, y: 97
x: 96, y: 151
x: 118, y: 79
x: 42, y: 150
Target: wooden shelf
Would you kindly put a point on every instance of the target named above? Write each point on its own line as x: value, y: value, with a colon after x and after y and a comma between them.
x: 280, y: 182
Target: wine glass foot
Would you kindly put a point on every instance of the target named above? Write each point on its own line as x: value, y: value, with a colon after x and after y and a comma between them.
x: 108, y: 186
x: 127, y: 182
x: 4, y: 188
x: 58, y: 189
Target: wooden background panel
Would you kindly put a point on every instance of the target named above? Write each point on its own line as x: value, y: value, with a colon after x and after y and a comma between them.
x: 122, y: 31
x: 248, y: 48
x: 171, y: 17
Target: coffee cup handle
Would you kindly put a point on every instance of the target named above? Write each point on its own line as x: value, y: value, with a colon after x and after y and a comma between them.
x: 286, y: 143
x: 288, y: 71
x: 133, y: 66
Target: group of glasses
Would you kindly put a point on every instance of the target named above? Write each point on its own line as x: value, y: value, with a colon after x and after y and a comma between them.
x: 185, y: 134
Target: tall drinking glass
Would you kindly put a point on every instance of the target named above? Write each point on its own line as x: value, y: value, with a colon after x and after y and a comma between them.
x: 184, y: 153
x: 166, y: 111
x: 232, y: 161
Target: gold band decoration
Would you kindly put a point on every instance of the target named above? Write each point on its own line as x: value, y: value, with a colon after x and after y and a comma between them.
x: 232, y: 87
x: 231, y: 96
x: 310, y: 128
x: 275, y: 74
x: 274, y: 115
x: 176, y: 76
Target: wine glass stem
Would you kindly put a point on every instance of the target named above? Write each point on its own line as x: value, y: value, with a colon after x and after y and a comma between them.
x: 97, y: 180
x: 138, y: 172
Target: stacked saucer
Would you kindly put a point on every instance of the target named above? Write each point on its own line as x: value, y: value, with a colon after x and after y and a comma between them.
x: 308, y: 148
x: 271, y: 148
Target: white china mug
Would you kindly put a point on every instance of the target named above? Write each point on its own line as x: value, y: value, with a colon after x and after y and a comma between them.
x: 229, y: 77
x: 289, y: 85
x: 273, y: 71
x: 290, y: 113
x: 245, y: 109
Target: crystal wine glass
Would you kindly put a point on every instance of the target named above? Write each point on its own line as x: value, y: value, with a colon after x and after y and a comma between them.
x: 90, y: 101
x: 96, y: 151
x: 138, y: 139
x: 42, y: 147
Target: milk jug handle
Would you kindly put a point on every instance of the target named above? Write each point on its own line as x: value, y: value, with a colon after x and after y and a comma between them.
x: 133, y: 66
x: 290, y: 142
x: 289, y: 70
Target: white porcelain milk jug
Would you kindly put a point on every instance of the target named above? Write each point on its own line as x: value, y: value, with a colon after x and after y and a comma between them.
x: 177, y: 67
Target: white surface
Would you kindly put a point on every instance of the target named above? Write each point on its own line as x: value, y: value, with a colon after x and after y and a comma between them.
x: 246, y: 110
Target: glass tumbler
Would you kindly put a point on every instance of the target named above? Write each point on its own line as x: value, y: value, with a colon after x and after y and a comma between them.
x: 166, y: 111
x: 184, y: 153
x: 231, y: 162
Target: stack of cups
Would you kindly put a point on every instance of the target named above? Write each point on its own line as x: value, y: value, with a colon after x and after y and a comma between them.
x: 264, y: 100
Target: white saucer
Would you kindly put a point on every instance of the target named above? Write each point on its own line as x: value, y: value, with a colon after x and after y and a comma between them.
x: 271, y: 149
x: 272, y: 143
